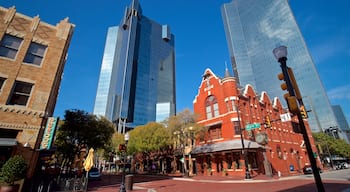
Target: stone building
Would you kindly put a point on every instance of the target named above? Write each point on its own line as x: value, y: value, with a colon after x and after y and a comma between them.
x: 245, y: 128
x: 32, y: 58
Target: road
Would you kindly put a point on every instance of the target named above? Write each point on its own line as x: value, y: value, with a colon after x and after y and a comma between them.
x: 333, y: 181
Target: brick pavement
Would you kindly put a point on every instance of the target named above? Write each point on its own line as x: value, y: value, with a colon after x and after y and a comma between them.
x: 258, y: 183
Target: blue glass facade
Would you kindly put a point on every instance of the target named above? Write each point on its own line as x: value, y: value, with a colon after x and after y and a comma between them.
x: 342, y: 122
x: 137, y: 79
x: 253, y: 29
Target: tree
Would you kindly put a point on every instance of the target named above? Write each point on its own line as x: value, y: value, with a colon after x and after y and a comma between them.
x: 148, y: 142
x: 146, y: 138
x: 181, y: 123
x: 80, y: 130
x: 331, y: 145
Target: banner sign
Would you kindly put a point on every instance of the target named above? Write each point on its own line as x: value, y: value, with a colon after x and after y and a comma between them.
x: 49, y: 133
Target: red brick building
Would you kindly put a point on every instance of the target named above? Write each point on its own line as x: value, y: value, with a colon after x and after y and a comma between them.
x: 233, y: 115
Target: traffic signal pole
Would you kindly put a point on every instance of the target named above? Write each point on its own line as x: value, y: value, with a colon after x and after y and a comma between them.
x: 317, y: 177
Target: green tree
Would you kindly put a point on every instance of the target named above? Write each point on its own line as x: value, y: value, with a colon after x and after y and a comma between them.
x: 147, y: 138
x: 148, y: 141
x: 81, y: 129
x: 328, y: 144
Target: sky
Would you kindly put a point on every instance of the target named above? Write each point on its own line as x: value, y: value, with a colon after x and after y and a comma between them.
x: 200, y: 43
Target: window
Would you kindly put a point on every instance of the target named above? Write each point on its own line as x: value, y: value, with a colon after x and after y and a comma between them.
x: 35, y: 54
x: 21, y: 93
x: 212, y: 107
x: 237, y: 127
x: 9, y: 46
x: 215, y: 132
x: 2, y: 82
x: 209, y: 114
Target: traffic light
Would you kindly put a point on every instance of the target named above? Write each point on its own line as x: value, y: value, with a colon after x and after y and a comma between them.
x: 303, y: 112
x: 294, y: 84
x: 267, y: 121
x: 293, y: 97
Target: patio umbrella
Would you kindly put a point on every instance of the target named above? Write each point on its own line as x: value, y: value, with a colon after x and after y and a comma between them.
x: 88, y: 163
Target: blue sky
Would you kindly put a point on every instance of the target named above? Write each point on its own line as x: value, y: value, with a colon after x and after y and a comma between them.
x: 200, y: 42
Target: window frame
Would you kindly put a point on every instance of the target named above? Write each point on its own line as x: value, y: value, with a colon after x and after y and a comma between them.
x: 7, y: 48
x: 33, y: 55
x: 2, y: 82
x: 21, y: 93
x: 215, y: 132
x: 237, y: 127
x: 211, y: 107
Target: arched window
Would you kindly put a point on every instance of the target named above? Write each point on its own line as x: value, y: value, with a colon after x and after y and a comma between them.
x: 212, y: 107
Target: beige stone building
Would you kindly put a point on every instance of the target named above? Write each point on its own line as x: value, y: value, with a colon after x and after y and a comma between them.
x: 32, y: 58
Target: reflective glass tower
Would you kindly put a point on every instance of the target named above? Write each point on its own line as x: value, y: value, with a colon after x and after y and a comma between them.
x: 342, y: 122
x: 137, y: 77
x: 253, y: 29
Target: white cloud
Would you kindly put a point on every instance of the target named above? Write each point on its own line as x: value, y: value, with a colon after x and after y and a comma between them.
x: 342, y: 92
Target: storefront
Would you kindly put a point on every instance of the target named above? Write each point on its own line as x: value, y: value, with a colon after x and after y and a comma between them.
x: 226, y: 157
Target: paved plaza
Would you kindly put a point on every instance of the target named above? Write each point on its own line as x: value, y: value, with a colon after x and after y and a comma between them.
x: 260, y: 183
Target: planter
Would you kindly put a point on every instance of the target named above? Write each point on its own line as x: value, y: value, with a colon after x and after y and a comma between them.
x: 9, y: 188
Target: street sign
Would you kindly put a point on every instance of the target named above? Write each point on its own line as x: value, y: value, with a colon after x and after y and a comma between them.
x: 249, y: 127
x: 285, y: 117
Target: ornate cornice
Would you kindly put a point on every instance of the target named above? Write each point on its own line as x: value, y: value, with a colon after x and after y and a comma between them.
x: 18, y: 126
x: 22, y: 110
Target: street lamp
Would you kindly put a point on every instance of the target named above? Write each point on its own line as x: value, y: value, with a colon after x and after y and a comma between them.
x: 122, y: 185
x: 281, y: 55
x: 244, y: 153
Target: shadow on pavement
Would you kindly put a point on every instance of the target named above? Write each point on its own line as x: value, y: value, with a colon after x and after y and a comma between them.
x: 328, y: 186
x: 115, y: 180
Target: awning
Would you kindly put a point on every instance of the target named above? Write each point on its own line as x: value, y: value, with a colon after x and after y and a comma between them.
x: 225, y: 146
x: 8, y: 142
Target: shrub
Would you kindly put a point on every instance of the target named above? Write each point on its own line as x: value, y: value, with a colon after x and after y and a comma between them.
x: 14, y: 169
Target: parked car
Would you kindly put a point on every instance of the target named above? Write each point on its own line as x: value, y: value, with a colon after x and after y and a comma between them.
x: 308, y: 169
x: 342, y: 165
x: 94, y: 174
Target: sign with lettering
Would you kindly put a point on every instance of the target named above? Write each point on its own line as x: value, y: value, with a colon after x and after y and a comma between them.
x: 49, y: 133
x: 249, y: 127
x: 285, y: 117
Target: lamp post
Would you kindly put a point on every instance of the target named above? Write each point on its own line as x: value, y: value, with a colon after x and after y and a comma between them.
x: 244, y: 153
x: 281, y: 55
x: 122, y: 185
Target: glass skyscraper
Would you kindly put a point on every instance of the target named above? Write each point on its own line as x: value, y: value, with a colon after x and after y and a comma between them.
x: 342, y: 122
x: 137, y: 77
x: 253, y: 29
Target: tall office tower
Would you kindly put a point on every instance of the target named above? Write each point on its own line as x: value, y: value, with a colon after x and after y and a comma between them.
x: 137, y: 78
x: 253, y: 29
x: 342, y: 122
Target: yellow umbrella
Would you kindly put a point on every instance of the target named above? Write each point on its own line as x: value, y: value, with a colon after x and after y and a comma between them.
x: 89, y: 161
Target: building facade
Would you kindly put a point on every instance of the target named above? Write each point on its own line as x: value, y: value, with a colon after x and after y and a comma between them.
x: 137, y: 78
x: 342, y: 122
x: 245, y: 129
x: 32, y: 58
x: 253, y: 29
